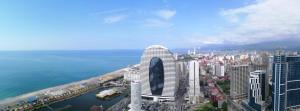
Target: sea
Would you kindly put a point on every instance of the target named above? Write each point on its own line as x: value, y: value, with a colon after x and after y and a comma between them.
x: 27, y: 71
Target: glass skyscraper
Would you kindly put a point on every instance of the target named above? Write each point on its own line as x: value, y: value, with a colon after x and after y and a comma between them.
x: 285, y: 82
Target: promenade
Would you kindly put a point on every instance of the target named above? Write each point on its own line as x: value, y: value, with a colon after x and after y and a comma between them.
x: 43, y: 98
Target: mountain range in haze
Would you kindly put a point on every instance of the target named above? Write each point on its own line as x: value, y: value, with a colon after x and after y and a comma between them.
x: 288, y: 44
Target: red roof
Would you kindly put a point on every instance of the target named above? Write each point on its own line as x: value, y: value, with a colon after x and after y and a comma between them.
x: 209, y: 81
x: 214, y: 91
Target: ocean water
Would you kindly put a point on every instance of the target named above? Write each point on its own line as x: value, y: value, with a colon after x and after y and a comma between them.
x: 85, y: 102
x: 26, y: 71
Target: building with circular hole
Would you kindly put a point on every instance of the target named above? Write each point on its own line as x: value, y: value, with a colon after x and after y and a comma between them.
x: 158, y: 74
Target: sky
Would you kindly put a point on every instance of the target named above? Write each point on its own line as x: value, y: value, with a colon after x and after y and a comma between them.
x: 136, y: 24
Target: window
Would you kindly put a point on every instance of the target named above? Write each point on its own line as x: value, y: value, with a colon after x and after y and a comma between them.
x: 156, y: 76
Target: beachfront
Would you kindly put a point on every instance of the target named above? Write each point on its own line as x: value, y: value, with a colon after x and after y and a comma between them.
x: 45, y: 97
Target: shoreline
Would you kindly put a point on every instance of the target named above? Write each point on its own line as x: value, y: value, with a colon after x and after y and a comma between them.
x: 74, y: 89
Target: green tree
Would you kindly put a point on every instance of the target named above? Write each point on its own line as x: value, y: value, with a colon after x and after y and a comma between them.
x: 224, y: 106
x: 207, y: 107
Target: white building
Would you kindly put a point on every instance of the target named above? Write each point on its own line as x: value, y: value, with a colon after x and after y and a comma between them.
x: 219, y: 69
x: 194, y: 82
x: 159, y: 78
x: 131, y: 74
x: 136, y: 97
x: 202, y: 70
x: 213, y: 69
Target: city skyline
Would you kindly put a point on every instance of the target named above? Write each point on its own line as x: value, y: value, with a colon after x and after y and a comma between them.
x: 150, y: 55
x: 93, y: 25
x: 165, y: 81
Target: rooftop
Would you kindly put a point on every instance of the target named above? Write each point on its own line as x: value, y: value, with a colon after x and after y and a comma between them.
x: 156, y: 46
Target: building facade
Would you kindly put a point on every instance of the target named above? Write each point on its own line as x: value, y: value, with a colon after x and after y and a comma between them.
x: 132, y: 73
x: 220, y: 69
x: 239, y: 76
x: 194, y: 82
x: 239, y: 81
x: 256, y: 92
x: 285, y: 82
x: 136, y: 98
x: 158, y: 74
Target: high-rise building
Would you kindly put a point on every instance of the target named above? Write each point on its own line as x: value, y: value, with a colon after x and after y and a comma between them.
x: 158, y: 74
x: 202, y: 69
x: 239, y: 76
x: 239, y: 81
x: 213, y: 69
x: 194, y: 82
x: 256, y: 91
x: 285, y: 82
x: 220, y: 69
x: 136, y: 98
x: 270, y: 64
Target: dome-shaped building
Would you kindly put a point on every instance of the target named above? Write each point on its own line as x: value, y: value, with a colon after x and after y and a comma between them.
x: 158, y: 74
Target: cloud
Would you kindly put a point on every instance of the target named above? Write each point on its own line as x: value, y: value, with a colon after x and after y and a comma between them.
x: 157, y: 23
x: 162, y: 19
x: 113, y: 11
x: 113, y: 19
x: 263, y: 20
x: 111, y: 16
x: 166, y: 14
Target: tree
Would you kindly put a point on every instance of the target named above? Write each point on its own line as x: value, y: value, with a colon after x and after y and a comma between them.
x: 207, y: 107
x: 224, y: 106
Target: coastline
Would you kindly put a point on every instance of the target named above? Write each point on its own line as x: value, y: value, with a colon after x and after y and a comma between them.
x: 85, y: 85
